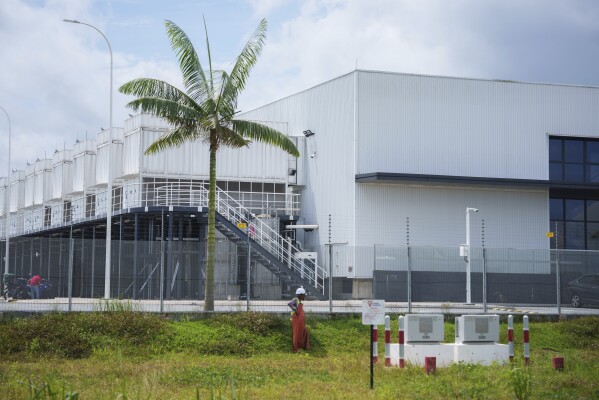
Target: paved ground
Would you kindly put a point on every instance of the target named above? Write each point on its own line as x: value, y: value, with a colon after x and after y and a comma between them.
x: 280, y: 306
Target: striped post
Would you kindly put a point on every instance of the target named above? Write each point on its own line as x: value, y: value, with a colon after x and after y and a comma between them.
x: 402, y: 362
x: 387, y: 341
x: 375, y: 344
x: 525, y: 340
x: 510, y: 336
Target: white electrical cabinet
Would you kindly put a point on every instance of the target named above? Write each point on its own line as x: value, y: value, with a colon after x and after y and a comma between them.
x: 424, y: 328
x: 477, y: 328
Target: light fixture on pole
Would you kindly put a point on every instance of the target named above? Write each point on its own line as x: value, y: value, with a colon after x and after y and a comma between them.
x: 465, y: 252
x: 109, y: 189
x: 7, y: 202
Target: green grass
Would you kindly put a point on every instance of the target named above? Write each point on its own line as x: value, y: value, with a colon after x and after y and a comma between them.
x: 127, y: 355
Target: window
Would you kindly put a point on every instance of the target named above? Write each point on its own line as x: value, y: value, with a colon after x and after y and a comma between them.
x: 575, y: 223
x: 573, y: 159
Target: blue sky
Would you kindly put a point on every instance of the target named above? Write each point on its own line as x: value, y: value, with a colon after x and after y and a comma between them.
x: 54, y: 77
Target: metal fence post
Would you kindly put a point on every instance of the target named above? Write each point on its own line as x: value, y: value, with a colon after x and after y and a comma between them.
x: 374, y: 272
x: 484, y: 280
x: 247, y: 278
x: 70, y: 285
x: 161, y: 285
x: 558, y: 282
x: 409, y: 280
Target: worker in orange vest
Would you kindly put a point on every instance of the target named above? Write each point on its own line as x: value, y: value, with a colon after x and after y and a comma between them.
x: 301, y: 335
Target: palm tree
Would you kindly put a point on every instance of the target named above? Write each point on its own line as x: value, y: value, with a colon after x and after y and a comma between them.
x: 205, y: 111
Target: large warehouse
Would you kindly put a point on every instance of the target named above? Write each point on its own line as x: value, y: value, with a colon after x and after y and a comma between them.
x: 389, y: 164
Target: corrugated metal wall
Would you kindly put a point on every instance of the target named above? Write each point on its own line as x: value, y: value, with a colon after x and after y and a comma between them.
x: 84, y: 165
x: 466, y: 127
x: 42, y: 181
x: 327, y: 156
x: 437, y: 216
x: 17, y: 190
x: 62, y: 174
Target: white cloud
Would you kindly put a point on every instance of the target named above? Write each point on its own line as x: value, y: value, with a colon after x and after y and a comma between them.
x: 531, y: 40
x: 55, y: 77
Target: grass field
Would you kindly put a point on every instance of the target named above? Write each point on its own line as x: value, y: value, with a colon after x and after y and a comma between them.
x: 128, y: 355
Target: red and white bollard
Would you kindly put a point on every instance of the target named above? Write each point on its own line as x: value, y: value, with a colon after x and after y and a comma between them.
x: 510, y: 336
x: 525, y: 340
x: 387, y: 341
x: 401, y: 337
x: 375, y: 344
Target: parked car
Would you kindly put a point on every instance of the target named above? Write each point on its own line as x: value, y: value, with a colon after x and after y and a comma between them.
x: 584, y: 290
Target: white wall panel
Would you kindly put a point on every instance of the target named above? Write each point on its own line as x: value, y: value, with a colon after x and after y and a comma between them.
x: 328, y: 111
x: 513, y: 218
x: 62, y: 173
x: 17, y: 190
x: 42, y: 181
x: 29, y: 185
x: 466, y: 127
x: 84, y: 165
x: 3, y: 184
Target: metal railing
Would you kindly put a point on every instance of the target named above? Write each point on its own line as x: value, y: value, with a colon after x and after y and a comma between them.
x: 270, y: 240
x: 85, y: 207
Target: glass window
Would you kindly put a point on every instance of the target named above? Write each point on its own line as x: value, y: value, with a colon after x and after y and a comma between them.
x: 574, y: 209
x: 575, y: 235
x: 593, y: 210
x: 593, y: 152
x: 245, y: 186
x: 555, y: 150
x: 573, y: 151
x: 574, y: 172
x: 556, y: 209
x: 234, y: 186
x: 592, y: 173
x: 556, y: 172
x: 592, y: 236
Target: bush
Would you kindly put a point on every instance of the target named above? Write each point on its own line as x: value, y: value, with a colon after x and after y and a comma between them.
x: 73, y: 335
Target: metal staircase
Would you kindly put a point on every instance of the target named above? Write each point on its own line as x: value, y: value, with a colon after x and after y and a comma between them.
x: 268, y: 248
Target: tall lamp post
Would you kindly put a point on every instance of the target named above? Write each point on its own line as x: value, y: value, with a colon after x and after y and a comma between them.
x: 7, y: 200
x: 468, y: 261
x: 109, y: 189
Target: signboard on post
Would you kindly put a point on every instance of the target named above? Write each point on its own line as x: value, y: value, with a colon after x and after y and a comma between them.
x: 373, y: 312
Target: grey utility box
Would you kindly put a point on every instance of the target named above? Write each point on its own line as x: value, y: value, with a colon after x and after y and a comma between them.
x: 424, y: 328
x: 477, y: 328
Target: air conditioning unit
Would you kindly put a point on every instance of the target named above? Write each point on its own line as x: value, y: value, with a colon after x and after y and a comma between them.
x: 477, y: 328
x: 424, y: 328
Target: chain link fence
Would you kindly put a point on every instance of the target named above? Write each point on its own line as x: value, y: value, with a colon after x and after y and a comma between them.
x: 169, y: 276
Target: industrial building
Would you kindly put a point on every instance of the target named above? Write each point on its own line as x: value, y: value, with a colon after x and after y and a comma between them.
x: 389, y: 162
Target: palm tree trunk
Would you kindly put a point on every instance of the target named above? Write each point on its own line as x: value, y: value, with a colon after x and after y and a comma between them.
x: 209, y: 299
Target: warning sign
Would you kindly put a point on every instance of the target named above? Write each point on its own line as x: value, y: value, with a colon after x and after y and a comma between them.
x: 373, y: 312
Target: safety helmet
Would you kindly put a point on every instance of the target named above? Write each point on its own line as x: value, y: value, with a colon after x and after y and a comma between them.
x: 300, y: 290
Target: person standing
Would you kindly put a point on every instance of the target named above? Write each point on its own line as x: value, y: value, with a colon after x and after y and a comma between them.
x: 34, y: 285
x: 301, y: 335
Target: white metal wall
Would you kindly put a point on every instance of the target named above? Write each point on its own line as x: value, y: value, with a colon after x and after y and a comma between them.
x: 84, y: 165
x: 257, y: 162
x: 116, y: 155
x: 513, y: 218
x: 327, y: 156
x: 62, y: 174
x: 29, y: 185
x: 466, y: 127
x: 17, y: 190
x: 42, y: 181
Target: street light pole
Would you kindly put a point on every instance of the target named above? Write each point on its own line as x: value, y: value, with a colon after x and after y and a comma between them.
x: 468, y: 265
x: 109, y: 189
x: 7, y: 201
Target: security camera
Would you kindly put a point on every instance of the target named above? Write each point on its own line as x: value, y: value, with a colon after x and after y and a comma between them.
x: 312, y: 155
x: 472, y: 209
